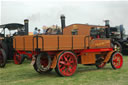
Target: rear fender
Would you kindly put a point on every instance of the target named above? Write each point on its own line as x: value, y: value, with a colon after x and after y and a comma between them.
x: 54, y: 61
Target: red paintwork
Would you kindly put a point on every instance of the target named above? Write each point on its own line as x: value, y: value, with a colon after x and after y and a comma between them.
x: 92, y: 50
x: 52, y: 52
x: 97, y: 50
x: 28, y: 54
x: 17, y: 58
x: 98, y: 36
x: 78, y: 52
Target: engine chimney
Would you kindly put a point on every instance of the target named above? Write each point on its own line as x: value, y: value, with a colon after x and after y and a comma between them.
x: 62, y: 22
x: 107, y: 29
x: 121, y: 31
x: 107, y: 23
x: 26, y: 21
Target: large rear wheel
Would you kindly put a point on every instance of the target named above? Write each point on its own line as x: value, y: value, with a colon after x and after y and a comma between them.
x: 116, y: 60
x: 3, y: 58
x: 66, y: 64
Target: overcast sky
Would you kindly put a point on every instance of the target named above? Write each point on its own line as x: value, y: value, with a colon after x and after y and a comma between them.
x: 47, y: 12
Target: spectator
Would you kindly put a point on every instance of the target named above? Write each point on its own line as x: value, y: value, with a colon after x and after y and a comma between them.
x: 39, y: 31
x: 35, y: 31
x: 44, y: 28
x: 48, y: 31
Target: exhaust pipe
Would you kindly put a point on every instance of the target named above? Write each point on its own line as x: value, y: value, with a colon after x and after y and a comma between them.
x: 26, y: 21
x: 62, y: 22
x: 108, y: 34
x: 107, y: 23
x: 121, y: 31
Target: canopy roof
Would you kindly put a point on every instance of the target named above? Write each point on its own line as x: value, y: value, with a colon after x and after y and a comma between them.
x: 12, y: 26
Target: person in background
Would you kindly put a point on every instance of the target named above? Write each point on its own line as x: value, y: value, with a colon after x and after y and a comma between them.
x: 39, y: 31
x: 44, y: 28
x: 35, y: 31
x: 49, y: 31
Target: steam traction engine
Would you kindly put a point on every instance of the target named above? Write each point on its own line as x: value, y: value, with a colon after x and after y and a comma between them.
x: 78, y: 44
x: 6, y: 41
x: 118, y: 37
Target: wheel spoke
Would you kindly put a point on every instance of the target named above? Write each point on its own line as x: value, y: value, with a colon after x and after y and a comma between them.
x: 65, y: 58
x: 63, y: 68
x: 68, y: 56
x: 60, y: 65
x: 70, y: 70
x: 115, y: 60
x: 72, y: 61
x: 67, y: 71
x: 62, y: 62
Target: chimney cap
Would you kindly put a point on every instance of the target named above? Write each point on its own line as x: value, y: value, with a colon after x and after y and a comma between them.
x: 26, y: 21
x: 62, y: 16
x: 107, y: 23
x: 106, y: 20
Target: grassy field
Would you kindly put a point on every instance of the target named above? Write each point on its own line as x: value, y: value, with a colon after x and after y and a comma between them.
x: 86, y: 75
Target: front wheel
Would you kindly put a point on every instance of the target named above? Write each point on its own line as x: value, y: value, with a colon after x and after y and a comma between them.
x: 116, y: 60
x: 66, y: 64
x: 3, y: 58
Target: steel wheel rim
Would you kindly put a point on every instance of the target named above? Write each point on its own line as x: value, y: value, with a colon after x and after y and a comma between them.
x: 67, y: 64
x: 117, y: 61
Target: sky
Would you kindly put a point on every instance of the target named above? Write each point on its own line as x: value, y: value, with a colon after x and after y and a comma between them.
x: 47, y: 12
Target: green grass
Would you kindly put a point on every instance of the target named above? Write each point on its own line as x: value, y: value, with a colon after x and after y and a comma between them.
x: 86, y: 75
